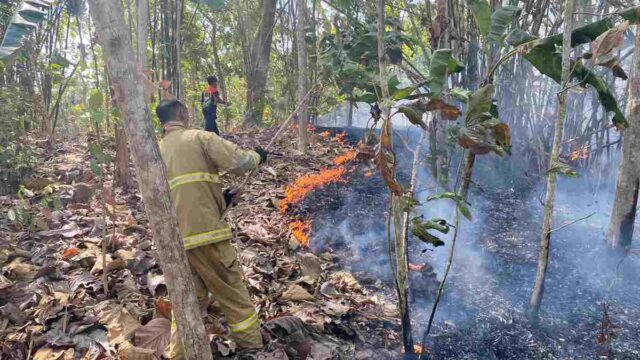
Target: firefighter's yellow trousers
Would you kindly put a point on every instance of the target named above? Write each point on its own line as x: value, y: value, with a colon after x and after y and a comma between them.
x: 216, y: 270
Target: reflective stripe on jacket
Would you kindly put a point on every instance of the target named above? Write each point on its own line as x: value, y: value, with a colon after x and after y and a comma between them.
x: 194, y: 160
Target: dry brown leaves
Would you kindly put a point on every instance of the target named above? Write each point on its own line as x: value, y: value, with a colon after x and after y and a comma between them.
x: 51, y: 290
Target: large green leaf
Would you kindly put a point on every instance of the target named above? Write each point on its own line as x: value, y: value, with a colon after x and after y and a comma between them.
x: 214, y: 5
x: 632, y: 14
x: 420, y: 229
x: 543, y: 56
x: 482, y: 131
x: 441, y: 64
x: 96, y: 100
x: 27, y: 17
x: 479, y: 105
x: 583, y: 34
x: 500, y: 21
x: 482, y: 14
x: 413, y: 112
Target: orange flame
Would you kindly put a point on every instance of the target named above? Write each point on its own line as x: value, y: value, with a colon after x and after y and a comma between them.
x: 325, y: 134
x: 345, y: 158
x: 582, y: 153
x: 301, y: 230
x: 303, y: 185
x: 339, y: 138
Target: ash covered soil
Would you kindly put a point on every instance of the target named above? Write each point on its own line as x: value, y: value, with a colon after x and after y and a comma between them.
x: 591, y: 307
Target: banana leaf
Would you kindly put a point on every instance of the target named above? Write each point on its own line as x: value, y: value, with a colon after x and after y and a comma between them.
x: 482, y: 14
x: 25, y: 20
x: 214, y: 5
x: 542, y: 54
x: 500, y: 21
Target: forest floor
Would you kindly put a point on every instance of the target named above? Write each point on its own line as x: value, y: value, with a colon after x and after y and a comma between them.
x: 316, y: 266
x: 52, y: 290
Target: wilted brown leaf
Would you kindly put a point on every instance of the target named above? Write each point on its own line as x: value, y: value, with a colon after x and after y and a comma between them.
x: 117, y: 319
x: 155, y: 335
x: 297, y: 293
x: 70, y: 252
x: 448, y: 111
x: 609, y: 40
x: 163, y: 307
x: 386, y: 160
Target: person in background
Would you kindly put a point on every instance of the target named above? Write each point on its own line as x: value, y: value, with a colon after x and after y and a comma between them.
x: 194, y: 160
x: 210, y: 99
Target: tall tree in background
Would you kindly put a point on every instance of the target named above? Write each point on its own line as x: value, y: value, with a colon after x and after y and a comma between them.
x: 545, y: 237
x: 303, y: 114
x: 256, y: 59
x: 628, y: 184
x: 128, y: 87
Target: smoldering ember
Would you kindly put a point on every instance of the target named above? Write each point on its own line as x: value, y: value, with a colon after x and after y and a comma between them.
x: 306, y: 179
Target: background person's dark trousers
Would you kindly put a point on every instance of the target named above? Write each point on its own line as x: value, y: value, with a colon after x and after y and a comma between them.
x: 210, y: 117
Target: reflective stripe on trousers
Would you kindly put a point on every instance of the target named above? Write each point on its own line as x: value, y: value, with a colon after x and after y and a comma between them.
x: 245, y: 324
x: 209, y: 237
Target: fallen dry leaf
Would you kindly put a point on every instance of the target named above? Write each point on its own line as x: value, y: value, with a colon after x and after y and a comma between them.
x: 297, y: 293
x: 155, y: 335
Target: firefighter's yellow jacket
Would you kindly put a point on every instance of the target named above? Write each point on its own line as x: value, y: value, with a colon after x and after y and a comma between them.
x: 195, y: 160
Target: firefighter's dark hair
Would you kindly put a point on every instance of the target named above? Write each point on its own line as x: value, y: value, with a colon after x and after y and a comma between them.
x: 212, y: 80
x: 168, y: 110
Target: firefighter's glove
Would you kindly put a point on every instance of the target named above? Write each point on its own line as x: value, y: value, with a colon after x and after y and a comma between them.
x: 262, y: 153
x: 231, y: 196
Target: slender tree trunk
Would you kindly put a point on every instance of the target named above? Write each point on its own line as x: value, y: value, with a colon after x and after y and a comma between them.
x: 469, y: 160
x: 349, y: 113
x: 219, y: 71
x: 129, y: 94
x: 628, y: 184
x: 545, y: 237
x: 397, y: 213
x: 257, y: 65
x: 303, y: 114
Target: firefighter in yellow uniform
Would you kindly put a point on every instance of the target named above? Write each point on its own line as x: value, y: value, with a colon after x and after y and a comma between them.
x: 194, y: 160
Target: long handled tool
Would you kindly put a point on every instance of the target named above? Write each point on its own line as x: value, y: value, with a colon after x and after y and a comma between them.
x: 281, y: 129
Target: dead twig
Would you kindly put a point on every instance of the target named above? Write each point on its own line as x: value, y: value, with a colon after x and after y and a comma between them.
x: 571, y: 223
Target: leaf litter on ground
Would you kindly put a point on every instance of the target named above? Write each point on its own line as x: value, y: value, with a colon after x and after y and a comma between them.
x: 51, y: 293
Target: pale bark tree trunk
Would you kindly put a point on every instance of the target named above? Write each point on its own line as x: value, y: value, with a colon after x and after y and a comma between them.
x: 628, y: 184
x: 545, y: 236
x: 257, y: 64
x: 142, y: 13
x: 128, y: 86
x: 303, y: 114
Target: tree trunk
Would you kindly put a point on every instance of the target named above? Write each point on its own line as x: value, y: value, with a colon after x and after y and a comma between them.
x: 397, y: 213
x: 257, y: 65
x: 545, y: 236
x: 129, y: 94
x: 303, y: 114
x: 628, y: 184
x: 122, y: 159
x: 349, y: 113
x: 142, y: 13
